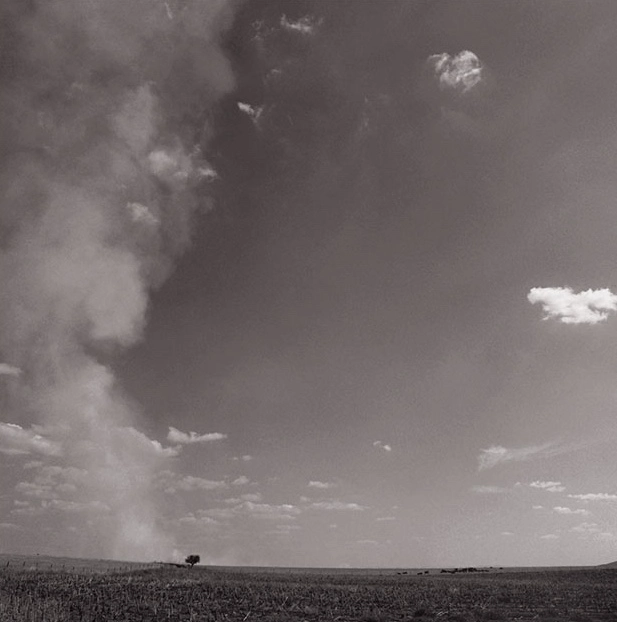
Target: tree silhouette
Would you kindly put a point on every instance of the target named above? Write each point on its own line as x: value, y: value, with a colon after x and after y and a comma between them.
x: 191, y: 560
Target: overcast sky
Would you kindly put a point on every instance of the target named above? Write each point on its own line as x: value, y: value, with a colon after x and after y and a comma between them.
x: 309, y: 283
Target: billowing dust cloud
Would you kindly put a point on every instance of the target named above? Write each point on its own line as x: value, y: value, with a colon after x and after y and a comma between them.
x: 104, y: 114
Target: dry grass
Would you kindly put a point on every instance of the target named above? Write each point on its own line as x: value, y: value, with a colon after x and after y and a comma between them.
x: 206, y: 595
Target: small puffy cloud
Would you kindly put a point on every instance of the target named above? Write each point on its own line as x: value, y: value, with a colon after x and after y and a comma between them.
x: 9, y: 527
x: 172, y: 483
x: 142, y: 214
x: 321, y: 485
x: 254, y: 497
x: 245, y: 458
x: 336, y: 506
x: 15, y: 440
x: 134, y: 442
x: 305, y: 25
x: 9, y: 370
x: 381, y: 445
x: 550, y: 536
x: 561, y: 303
x: 563, y: 510
x: 595, y: 496
x: 385, y: 518
x: 497, y: 454
x: 586, y: 528
x: 489, y: 490
x: 197, y: 521
x: 254, y: 112
x: 537, y: 507
x: 241, y: 481
x: 172, y: 166
x: 507, y: 533
x: 548, y: 486
x: 459, y: 73
x: 183, y: 438
x: 284, y: 511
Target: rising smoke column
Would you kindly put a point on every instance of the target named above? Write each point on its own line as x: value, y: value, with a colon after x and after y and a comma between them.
x: 104, y: 116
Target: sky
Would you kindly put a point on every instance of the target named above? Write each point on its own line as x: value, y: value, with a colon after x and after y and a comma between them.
x: 309, y: 283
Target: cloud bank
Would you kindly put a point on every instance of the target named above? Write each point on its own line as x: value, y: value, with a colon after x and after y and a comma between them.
x: 15, y: 440
x: 561, y: 303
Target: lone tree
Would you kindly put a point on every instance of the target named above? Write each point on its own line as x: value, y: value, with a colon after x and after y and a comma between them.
x: 191, y: 560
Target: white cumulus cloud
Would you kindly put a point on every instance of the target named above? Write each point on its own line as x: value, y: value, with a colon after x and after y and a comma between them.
x: 337, y: 505
x: 595, y: 496
x: 548, y: 486
x: 383, y: 446
x: 321, y: 485
x: 561, y: 303
x: 15, y: 440
x: 563, y: 510
x: 183, y: 438
x: 459, y: 73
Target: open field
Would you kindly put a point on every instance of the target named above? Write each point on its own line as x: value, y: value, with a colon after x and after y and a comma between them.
x: 98, y: 591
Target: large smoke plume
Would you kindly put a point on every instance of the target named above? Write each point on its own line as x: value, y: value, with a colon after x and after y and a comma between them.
x: 104, y: 114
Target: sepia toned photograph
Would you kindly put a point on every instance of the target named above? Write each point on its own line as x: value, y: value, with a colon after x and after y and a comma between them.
x: 308, y: 310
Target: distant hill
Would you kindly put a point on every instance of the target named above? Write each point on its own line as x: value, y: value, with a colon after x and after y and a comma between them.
x: 609, y: 565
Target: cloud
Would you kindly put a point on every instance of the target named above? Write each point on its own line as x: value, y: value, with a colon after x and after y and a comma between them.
x: 507, y: 533
x: 172, y: 483
x: 241, y: 481
x: 305, y: 25
x: 548, y: 486
x: 586, y: 528
x: 550, y: 536
x: 9, y: 370
x: 381, y: 445
x: 245, y: 458
x: 336, y: 506
x: 459, y: 73
x: 284, y: 511
x: 489, y: 490
x: 561, y: 303
x: 15, y: 440
x: 563, y: 510
x: 10, y: 527
x: 197, y: 521
x: 255, y: 497
x: 537, y: 507
x: 497, y: 454
x: 254, y: 112
x: 321, y: 485
x: 176, y: 436
x: 385, y: 518
x: 595, y: 496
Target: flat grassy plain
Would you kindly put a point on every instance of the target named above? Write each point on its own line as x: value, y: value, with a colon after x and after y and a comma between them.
x: 37, y: 589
